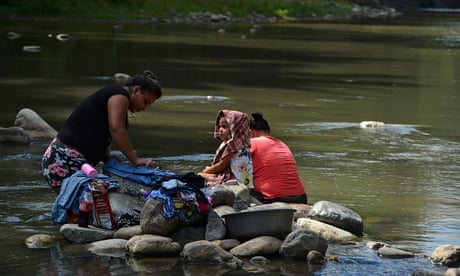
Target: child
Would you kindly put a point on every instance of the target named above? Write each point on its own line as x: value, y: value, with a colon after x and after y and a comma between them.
x: 232, y: 161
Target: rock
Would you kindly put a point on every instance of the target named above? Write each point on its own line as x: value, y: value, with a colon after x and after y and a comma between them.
x: 301, y: 210
x: 128, y: 232
x: 376, y: 245
x: 151, y: 266
x: 315, y: 257
x: 227, y: 244
x: 35, y: 127
x: 188, y: 234
x: 299, y: 242
x: 28, y: 127
x: 122, y: 203
x: 425, y: 272
x: 331, y: 233
x: 337, y: 215
x: 205, y: 252
x: 221, y: 195
x: 80, y: 235
x: 263, y: 245
x: 153, y: 221
x: 393, y: 253
x: 40, y: 241
x: 215, y: 229
x: 121, y: 78
x: 259, y: 260
x: 13, y: 134
x: 371, y: 124
x: 452, y: 272
x: 448, y: 255
x: 111, y: 248
x: 152, y: 245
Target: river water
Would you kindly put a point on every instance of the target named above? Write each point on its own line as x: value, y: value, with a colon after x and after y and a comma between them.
x: 314, y: 81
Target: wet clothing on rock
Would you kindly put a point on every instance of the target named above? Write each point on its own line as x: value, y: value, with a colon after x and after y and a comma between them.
x: 69, y: 195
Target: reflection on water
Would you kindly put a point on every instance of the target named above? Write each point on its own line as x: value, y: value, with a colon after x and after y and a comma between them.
x: 315, y: 82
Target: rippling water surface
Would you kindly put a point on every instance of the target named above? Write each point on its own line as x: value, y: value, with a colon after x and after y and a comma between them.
x: 314, y: 81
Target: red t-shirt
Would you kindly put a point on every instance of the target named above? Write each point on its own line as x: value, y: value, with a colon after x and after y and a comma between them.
x: 274, y: 168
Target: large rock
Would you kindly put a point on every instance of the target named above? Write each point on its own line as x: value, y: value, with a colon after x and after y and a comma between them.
x: 111, y: 248
x: 448, y: 255
x: 300, y: 242
x: 263, y: 245
x: 152, y: 245
x: 80, y: 235
x: 337, y: 215
x: 188, y: 234
x: 215, y: 229
x: 331, y: 233
x: 40, y: 241
x: 394, y: 253
x: 28, y: 127
x: 153, y: 220
x: 206, y: 252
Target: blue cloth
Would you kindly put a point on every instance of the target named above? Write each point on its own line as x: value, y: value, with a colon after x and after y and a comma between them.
x: 69, y: 195
x: 142, y: 175
x: 176, y: 189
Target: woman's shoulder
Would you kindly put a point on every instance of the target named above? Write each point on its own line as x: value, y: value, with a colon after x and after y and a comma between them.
x: 113, y: 90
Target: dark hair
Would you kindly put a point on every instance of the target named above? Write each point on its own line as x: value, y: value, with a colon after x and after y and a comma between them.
x: 258, y: 122
x: 147, y: 81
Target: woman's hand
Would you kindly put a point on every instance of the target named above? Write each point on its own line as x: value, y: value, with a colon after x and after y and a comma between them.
x: 144, y: 162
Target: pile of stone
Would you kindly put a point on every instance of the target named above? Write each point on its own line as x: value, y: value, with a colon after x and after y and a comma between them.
x: 204, y: 239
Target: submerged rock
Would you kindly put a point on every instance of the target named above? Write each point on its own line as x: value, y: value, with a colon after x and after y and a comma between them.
x: 40, y: 241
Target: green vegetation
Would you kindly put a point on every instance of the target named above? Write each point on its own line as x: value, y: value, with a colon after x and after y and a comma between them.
x: 139, y: 9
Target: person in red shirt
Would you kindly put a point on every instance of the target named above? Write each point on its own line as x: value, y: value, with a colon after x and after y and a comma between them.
x: 275, y: 172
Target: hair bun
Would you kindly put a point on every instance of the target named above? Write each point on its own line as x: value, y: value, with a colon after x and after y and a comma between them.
x: 257, y: 116
x: 149, y: 74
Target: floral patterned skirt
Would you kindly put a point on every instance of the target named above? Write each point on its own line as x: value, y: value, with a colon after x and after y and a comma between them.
x: 60, y: 161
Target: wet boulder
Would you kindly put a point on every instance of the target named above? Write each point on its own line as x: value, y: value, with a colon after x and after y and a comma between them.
x: 152, y: 245
x: 206, y: 252
x: 300, y: 242
x: 263, y: 245
x: 331, y: 233
x: 448, y: 255
x: 338, y: 216
x: 111, y: 248
x: 40, y: 241
x: 82, y: 235
x: 28, y: 127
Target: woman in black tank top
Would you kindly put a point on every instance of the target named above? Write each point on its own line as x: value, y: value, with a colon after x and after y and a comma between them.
x: 98, y: 121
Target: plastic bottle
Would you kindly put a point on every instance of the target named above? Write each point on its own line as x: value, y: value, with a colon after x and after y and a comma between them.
x: 145, y: 194
x: 85, y: 207
x: 89, y: 170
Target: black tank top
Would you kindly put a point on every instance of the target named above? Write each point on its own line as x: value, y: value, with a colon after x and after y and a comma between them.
x: 87, y: 128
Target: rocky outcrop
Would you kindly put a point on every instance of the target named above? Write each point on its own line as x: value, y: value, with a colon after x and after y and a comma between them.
x: 337, y: 215
x: 448, y: 255
x: 28, y: 127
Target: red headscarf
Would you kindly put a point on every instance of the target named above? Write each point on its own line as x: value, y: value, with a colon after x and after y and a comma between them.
x: 239, y: 132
